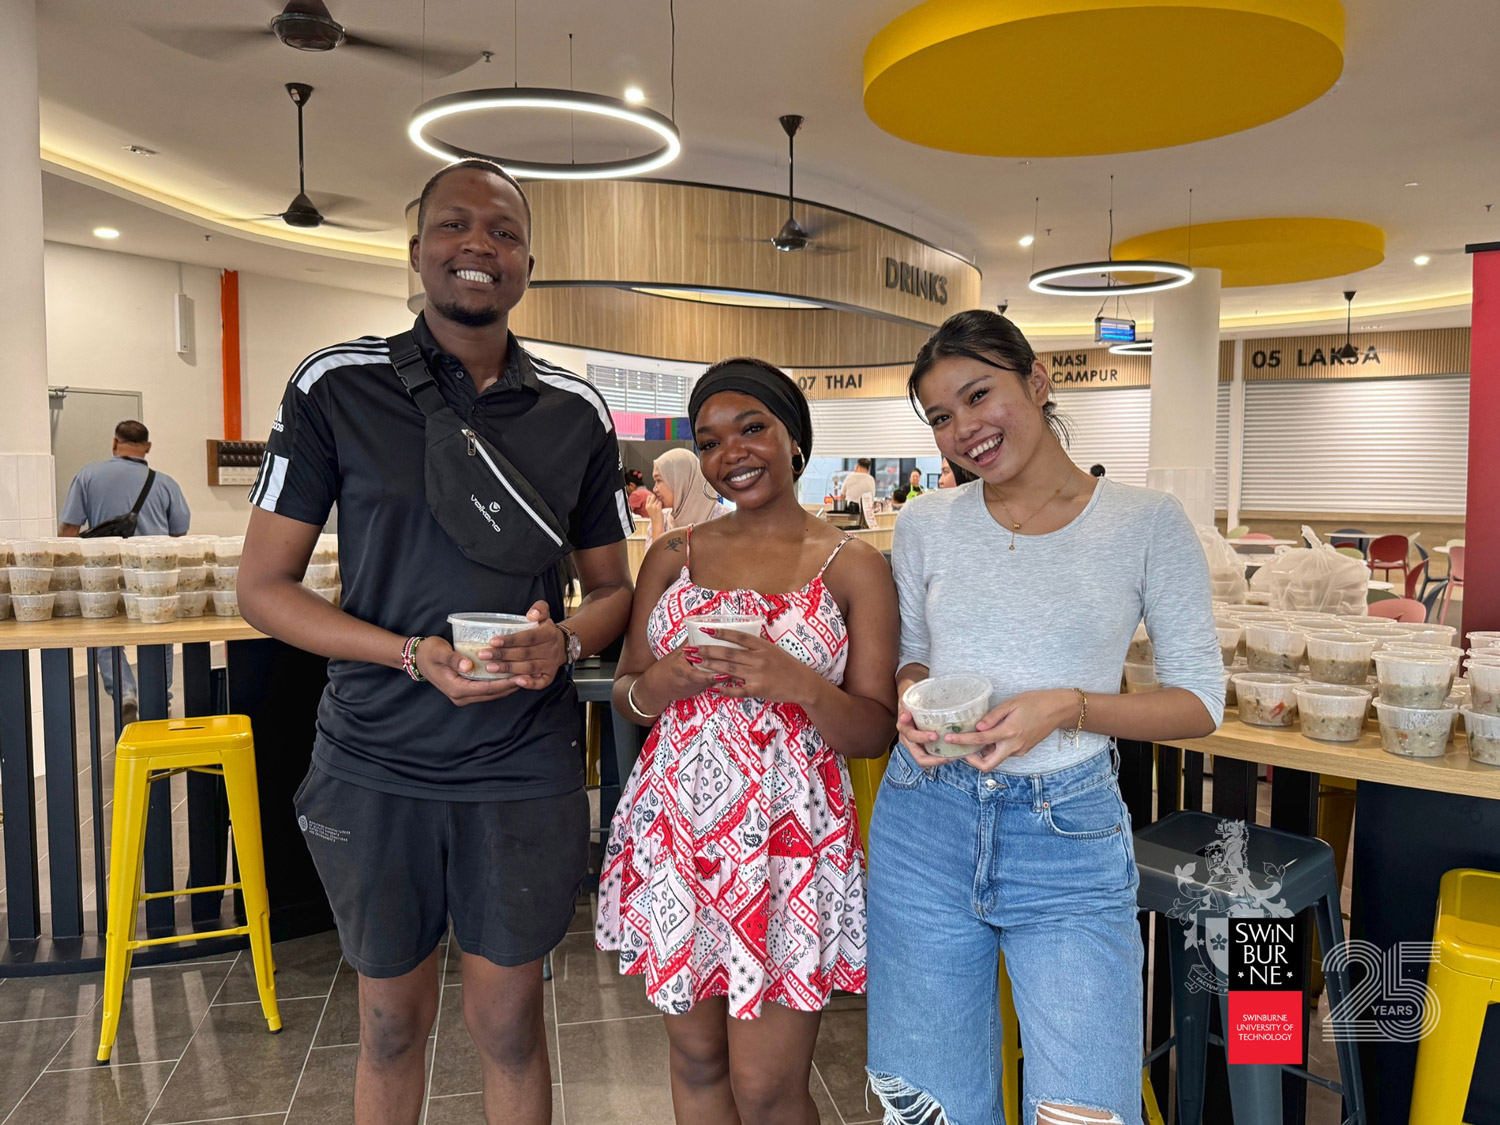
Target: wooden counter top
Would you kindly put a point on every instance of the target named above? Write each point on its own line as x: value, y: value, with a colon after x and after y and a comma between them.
x: 83, y: 632
x: 1364, y: 760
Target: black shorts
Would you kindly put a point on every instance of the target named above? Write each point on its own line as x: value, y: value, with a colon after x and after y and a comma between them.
x: 397, y: 868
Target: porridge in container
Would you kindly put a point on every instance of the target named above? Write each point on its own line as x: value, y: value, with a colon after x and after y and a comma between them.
x: 693, y: 626
x: 1339, y: 658
x: 190, y: 550
x: 32, y: 552
x: 948, y: 705
x: 191, y: 603
x: 66, y: 551
x: 1414, y: 732
x: 66, y: 604
x: 226, y: 603
x: 67, y: 578
x: 158, y: 554
x: 1140, y: 678
x: 1267, y: 699
x: 326, y: 550
x: 5, y: 579
x: 474, y: 631
x: 228, y: 549
x: 97, y: 604
x: 320, y: 576
x: 1484, y: 736
x: 1484, y: 686
x: 1231, y: 697
x: 32, y: 607
x: 104, y: 551
x: 6, y: 557
x: 4, y: 607
x: 1141, y: 650
x: 1332, y: 712
x: 130, y: 576
x: 131, y: 602
x: 157, y: 583
x: 156, y: 610
x: 192, y: 578
x: 333, y: 595
x: 1274, y: 648
x: 30, y: 579
x: 1413, y: 681
x: 226, y: 577
x: 1230, y: 638
x: 99, y: 579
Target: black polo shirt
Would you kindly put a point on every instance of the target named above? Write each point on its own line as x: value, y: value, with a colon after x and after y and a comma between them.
x: 348, y: 433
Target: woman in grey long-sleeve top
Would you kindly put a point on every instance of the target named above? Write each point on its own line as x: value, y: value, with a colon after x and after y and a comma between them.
x: 1035, y: 575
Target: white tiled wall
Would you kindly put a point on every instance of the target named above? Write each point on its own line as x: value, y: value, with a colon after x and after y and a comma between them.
x: 27, y: 506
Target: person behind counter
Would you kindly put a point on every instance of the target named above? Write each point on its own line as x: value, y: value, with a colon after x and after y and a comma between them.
x: 734, y: 879
x: 680, y: 496
x: 860, y: 482
x: 434, y: 797
x: 637, y: 495
x: 1024, y: 845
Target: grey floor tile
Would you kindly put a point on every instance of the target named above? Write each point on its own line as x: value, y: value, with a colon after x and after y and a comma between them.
x: 162, y: 1008
x: 96, y: 1096
x: 615, y: 1073
x: 589, y: 984
x: 325, y: 1094
x: 340, y: 1024
x: 468, y: 1109
x: 26, y: 1049
x: 234, y: 1066
x: 583, y: 916
x: 828, y: 1112
x: 304, y: 967
x: 30, y: 998
x: 840, y: 1058
x: 456, y: 1069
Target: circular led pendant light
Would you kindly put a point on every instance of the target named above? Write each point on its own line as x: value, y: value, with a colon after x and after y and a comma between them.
x: 1046, y: 281
x: 564, y: 101
x: 1136, y: 347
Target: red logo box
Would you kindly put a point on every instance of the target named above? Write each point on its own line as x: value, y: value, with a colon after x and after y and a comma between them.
x: 1265, y: 1028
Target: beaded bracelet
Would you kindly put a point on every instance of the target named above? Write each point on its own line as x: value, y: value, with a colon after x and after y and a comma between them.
x: 409, y: 659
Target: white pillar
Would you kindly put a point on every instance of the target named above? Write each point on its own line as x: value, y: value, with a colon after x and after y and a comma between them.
x: 1184, y: 393
x: 1235, y: 487
x: 26, y: 500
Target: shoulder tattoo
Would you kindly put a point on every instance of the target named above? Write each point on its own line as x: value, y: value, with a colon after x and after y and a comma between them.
x: 673, y: 544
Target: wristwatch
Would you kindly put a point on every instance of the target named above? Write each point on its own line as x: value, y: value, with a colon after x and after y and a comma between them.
x: 575, y: 646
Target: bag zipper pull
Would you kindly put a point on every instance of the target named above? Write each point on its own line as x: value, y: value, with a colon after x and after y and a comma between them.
x: 470, y: 435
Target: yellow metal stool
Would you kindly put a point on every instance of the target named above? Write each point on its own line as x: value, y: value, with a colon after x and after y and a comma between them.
x: 1465, y: 981
x: 154, y: 751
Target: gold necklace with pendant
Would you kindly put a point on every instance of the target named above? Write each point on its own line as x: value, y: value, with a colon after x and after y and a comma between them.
x: 1015, y: 525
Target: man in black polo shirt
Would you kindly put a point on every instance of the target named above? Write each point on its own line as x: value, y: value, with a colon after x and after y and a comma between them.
x: 432, y: 796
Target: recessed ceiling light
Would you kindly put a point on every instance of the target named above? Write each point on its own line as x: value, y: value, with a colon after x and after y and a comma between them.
x: 106, y: 233
x: 634, y: 95
x: 1422, y: 259
x: 1410, y: 183
x: 1028, y: 240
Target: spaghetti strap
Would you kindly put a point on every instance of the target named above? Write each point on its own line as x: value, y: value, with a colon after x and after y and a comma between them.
x: 847, y: 537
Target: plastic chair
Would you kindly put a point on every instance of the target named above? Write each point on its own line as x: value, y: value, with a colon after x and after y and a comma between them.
x: 1389, y: 553
x: 1419, y: 577
x: 1465, y: 981
x: 1256, y: 535
x: 864, y: 780
x: 1399, y: 609
x: 1308, y: 879
x: 1455, y: 578
x: 1351, y: 552
x: 1238, y: 531
x: 1357, y: 544
x: 153, y: 751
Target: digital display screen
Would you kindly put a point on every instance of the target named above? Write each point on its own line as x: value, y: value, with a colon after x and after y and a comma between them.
x: 1113, y: 330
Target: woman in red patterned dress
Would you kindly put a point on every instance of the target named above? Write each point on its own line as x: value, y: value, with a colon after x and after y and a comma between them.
x: 734, y: 879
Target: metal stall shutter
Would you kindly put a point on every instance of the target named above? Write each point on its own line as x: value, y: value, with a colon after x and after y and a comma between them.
x: 1221, y: 449
x: 1390, y: 445
x: 1110, y: 428
x: 869, y: 427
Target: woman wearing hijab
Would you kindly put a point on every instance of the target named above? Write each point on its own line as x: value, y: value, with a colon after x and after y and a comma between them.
x: 734, y: 878
x: 679, y: 485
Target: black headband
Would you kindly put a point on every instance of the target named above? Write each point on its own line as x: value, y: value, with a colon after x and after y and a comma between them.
x: 777, y: 391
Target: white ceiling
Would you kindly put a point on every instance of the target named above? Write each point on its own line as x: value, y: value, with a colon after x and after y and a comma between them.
x: 1415, y: 103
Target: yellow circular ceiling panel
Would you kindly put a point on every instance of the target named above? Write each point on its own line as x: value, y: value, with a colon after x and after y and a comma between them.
x: 1265, y: 251
x: 1090, y: 77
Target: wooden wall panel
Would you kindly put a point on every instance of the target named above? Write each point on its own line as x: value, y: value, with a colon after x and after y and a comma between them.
x: 1382, y: 355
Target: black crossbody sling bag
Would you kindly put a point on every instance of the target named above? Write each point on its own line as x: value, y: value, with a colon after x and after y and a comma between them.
x: 123, y: 526
x: 478, y: 497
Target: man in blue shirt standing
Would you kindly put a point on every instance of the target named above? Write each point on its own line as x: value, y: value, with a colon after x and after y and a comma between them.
x: 103, y: 490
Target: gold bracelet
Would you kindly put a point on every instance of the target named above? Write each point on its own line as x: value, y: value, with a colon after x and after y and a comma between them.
x: 1083, y: 711
x: 636, y: 707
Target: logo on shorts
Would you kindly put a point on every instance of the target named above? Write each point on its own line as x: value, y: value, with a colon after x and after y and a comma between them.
x: 323, y: 831
x: 302, y: 823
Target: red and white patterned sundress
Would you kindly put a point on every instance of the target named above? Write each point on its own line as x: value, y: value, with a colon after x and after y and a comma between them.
x: 734, y: 865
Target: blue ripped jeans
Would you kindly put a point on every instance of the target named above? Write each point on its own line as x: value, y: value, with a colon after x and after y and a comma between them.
x: 964, y: 865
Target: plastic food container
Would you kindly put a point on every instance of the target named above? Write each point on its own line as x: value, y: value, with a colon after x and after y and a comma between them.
x: 1332, y: 712
x: 30, y: 579
x: 1358, y: 620
x: 190, y: 550
x: 1230, y: 639
x: 326, y: 551
x: 1443, y: 634
x: 1483, y: 639
x: 1231, y: 697
x: 1413, y: 681
x: 1444, y: 652
x: 66, y: 550
x: 333, y: 595
x: 1414, y: 732
x: 226, y: 577
x: 32, y: 607
x: 191, y: 603
x: 132, y: 607
x: 474, y: 631
x: 97, y: 604
x: 1274, y: 648
x: 4, y: 579
x: 948, y: 705
x: 693, y: 634
x: 67, y: 578
x: 192, y: 578
x: 1339, y: 658
x: 99, y: 579
x: 227, y: 550
x: 4, y: 607
x: 1267, y: 699
x: 1140, y: 677
x: 104, y: 551
x: 32, y: 552
x: 158, y: 553
x: 1484, y: 736
x: 1484, y: 686
x: 226, y: 602
x: 156, y: 610
x: 1141, y: 650
x: 6, y: 558
x: 131, y: 577
x: 320, y: 576
x: 157, y: 583
x: 66, y: 604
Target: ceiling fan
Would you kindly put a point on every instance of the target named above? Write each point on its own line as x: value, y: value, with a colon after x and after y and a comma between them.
x: 793, y: 236
x: 302, y: 212
x: 307, y: 26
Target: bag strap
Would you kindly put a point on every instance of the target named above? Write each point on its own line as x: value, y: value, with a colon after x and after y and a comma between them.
x: 411, y: 369
x: 145, y: 491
